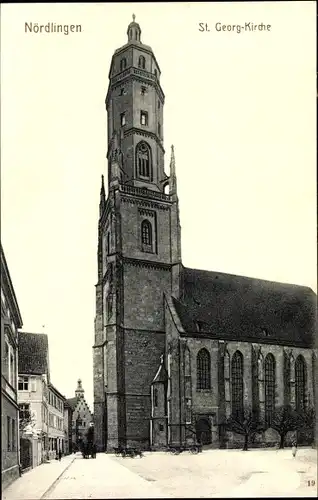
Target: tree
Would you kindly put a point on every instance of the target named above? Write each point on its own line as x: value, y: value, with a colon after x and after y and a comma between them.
x: 285, y: 419
x: 247, y: 424
x: 27, y: 420
x: 308, y: 422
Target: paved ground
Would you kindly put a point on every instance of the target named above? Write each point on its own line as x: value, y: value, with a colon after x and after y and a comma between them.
x: 213, y: 473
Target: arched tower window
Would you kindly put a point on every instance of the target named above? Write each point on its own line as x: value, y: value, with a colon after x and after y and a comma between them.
x: 270, y: 383
x: 123, y: 64
x: 141, y: 62
x: 203, y: 370
x: 156, y: 73
x: 146, y: 233
x: 300, y: 383
x: 143, y: 160
x: 237, y: 384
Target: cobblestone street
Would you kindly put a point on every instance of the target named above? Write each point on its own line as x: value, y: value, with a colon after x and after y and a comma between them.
x: 213, y: 473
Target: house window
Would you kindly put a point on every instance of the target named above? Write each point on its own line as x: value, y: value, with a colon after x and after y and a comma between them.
x: 141, y: 62
x: 24, y: 411
x: 237, y: 384
x: 146, y: 233
x: 122, y: 119
x: 23, y: 384
x: 6, y: 361
x: 269, y: 387
x: 160, y: 427
x: 300, y: 383
x: 12, y: 370
x: 8, y: 433
x: 13, y: 435
x: 203, y: 370
x: 143, y: 160
x: 143, y: 118
x: 123, y: 64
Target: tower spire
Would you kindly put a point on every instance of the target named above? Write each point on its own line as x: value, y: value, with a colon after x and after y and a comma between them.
x: 173, y: 177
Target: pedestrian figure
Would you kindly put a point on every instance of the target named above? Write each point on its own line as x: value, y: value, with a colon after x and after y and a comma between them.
x: 60, y: 455
x: 294, y: 449
x: 94, y: 451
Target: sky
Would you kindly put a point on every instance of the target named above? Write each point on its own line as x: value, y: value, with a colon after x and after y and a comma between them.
x: 240, y: 111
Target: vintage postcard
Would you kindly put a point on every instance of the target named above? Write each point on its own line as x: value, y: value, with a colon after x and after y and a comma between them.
x: 158, y: 250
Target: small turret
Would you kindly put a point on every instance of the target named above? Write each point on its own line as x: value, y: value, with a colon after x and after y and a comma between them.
x: 173, y: 177
x: 102, y: 197
x: 79, y: 393
x: 134, y: 31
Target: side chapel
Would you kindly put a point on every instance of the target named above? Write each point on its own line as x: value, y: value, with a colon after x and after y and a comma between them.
x: 177, y: 350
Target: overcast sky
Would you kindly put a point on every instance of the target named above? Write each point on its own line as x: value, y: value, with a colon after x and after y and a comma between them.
x: 240, y: 110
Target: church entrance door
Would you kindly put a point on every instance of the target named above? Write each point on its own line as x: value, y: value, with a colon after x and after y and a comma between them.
x: 203, y: 431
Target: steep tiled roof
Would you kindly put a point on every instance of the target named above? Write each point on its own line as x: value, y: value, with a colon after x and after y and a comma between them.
x: 33, y: 353
x: 72, y: 402
x: 246, y: 308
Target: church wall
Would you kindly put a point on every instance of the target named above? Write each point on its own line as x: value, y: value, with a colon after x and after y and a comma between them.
x: 208, y: 403
x: 204, y: 400
x: 143, y: 296
x: 142, y: 358
x: 132, y: 216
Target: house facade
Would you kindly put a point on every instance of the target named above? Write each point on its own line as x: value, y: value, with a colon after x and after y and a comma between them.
x: 11, y: 321
x: 33, y: 398
x: 179, y: 350
x: 81, y: 416
x: 56, y: 426
x: 68, y: 414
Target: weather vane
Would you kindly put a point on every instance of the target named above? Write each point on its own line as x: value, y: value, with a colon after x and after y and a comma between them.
x: 134, y: 17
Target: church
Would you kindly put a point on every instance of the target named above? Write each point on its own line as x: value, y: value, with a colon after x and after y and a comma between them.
x: 178, y: 350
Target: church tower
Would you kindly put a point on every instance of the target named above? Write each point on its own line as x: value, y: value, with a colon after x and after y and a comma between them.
x: 139, y: 251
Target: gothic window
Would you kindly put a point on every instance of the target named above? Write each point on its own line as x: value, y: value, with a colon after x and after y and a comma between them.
x: 142, y: 62
x: 187, y: 367
x: 143, y: 160
x: 270, y: 383
x: 146, y: 233
x: 159, y: 130
x: 123, y: 64
x: 155, y: 397
x: 237, y: 384
x: 156, y: 73
x: 300, y: 383
x: 143, y: 118
x: 203, y: 370
x: 122, y: 119
x: 109, y: 303
x: 108, y: 243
